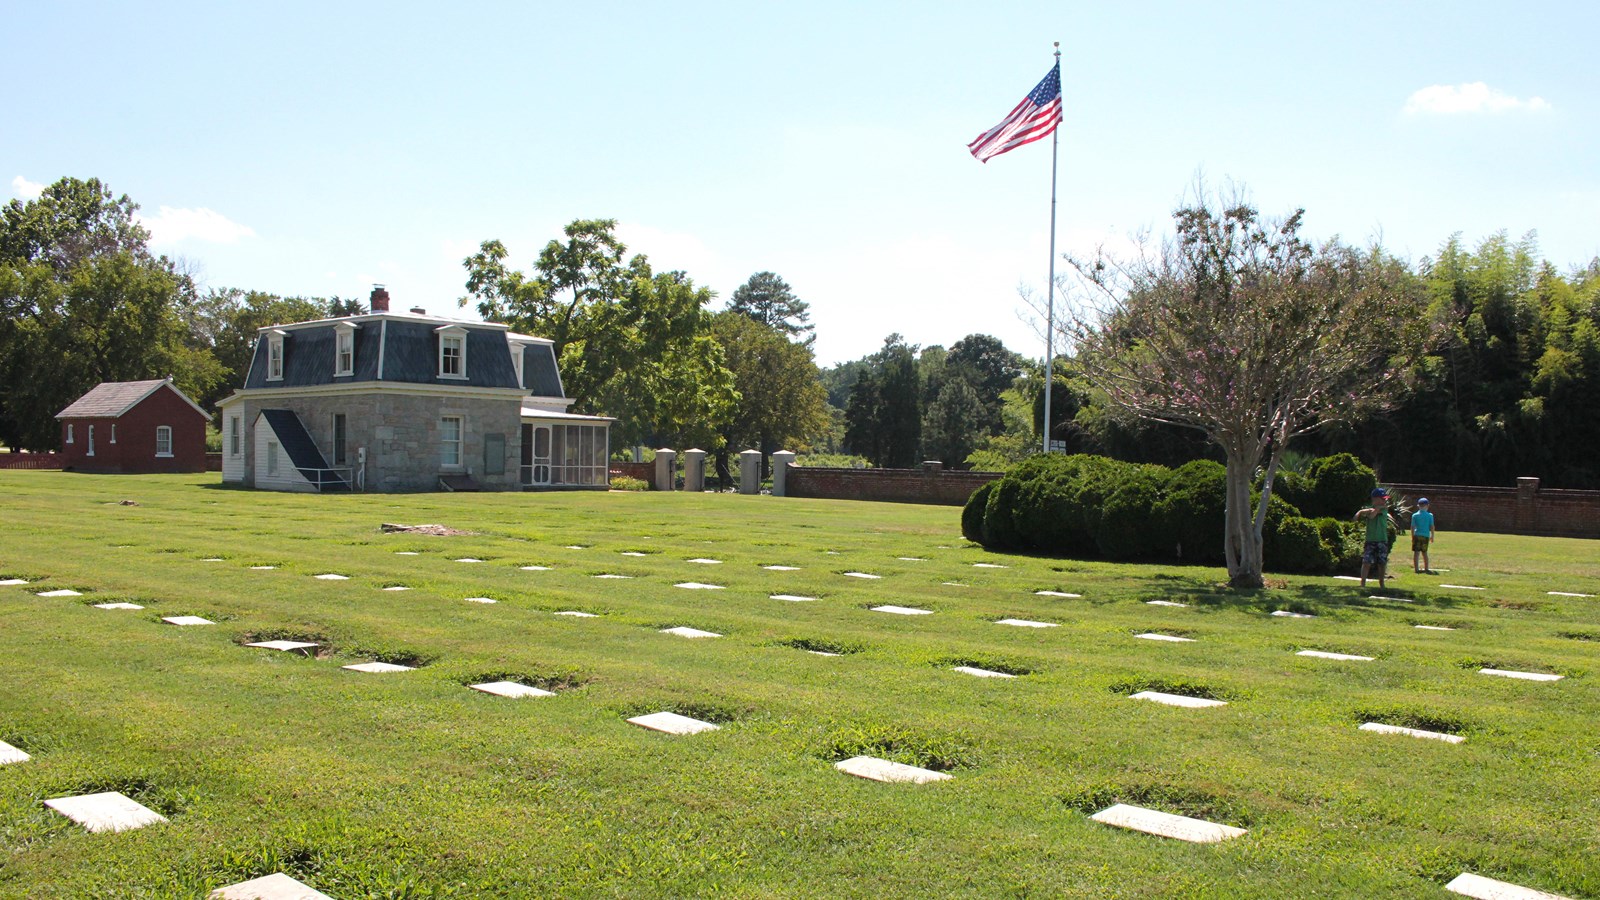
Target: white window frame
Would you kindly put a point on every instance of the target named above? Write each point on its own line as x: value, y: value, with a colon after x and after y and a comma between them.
x: 275, y: 356
x: 70, y: 427
x: 344, y: 350
x: 91, y: 440
x: 163, y: 435
x: 452, y: 334
x: 517, y: 362
x: 448, y: 446
x: 113, y: 433
x: 233, y: 436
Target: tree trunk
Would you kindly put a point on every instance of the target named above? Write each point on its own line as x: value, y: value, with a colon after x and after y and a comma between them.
x: 1242, y: 545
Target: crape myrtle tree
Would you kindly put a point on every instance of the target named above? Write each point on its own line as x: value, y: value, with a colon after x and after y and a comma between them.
x: 1240, y: 328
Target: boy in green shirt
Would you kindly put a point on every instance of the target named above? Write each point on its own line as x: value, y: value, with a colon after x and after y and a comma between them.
x: 1376, y: 550
x: 1421, y: 536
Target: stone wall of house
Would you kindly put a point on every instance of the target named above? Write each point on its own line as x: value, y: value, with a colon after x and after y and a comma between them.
x: 402, y: 435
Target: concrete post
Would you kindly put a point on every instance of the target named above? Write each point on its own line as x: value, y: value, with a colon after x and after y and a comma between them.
x: 750, y: 471
x: 694, y: 470
x: 780, y: 472
x: 666, y: 470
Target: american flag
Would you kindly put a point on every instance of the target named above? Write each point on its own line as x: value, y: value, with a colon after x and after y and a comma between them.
x: 1036, y: 116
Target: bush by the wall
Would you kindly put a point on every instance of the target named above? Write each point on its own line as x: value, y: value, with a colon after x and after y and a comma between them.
x: 1295, y: 545
x: 1128, y: 526
x: 1341, y: 484
x: 972, y: 513
x: 1194, y: 509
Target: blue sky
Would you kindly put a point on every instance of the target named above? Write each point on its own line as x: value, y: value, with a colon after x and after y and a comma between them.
x: 316, y: 149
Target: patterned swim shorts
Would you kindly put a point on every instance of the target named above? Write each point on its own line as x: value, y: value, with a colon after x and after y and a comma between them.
x: 1375, y: 553
x: 1419, y: 543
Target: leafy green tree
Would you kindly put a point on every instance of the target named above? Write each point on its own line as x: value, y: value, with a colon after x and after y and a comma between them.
x: 781, y: 399
x: 883, y: 420
x: 1245, y: 332
x: 953, y: 425
x: 768, y: 299
x: 991, y: 369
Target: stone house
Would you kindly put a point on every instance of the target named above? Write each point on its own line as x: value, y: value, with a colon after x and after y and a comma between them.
x: 403, y: 401
x: 134, y: 426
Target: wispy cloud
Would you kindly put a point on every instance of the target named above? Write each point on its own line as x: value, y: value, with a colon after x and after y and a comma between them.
x: 171, y: 226
x: 26, y: 189
x: 1469, y: 98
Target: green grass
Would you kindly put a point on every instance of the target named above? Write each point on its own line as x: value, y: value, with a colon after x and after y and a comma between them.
x: 412, y: 785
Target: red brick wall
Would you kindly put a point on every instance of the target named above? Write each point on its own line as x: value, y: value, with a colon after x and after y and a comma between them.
x: 1524, y: 509
x: 14, y: 460
x: 644, y: 471
x: 929, y: 484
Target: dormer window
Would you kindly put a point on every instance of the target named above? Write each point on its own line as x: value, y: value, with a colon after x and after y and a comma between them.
x: 516, y: 360
x: 344, y: 349
x: 275, y: 355
x: 452, y: 351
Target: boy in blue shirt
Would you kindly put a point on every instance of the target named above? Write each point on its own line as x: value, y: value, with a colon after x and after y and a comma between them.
x: 1421, y: 536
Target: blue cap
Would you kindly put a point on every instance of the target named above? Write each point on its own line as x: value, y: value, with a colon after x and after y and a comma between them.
x: 1379, y: 492
x: 1423, y: 502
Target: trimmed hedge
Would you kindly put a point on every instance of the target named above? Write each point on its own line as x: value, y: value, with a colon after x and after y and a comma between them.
x: 1097, y: 507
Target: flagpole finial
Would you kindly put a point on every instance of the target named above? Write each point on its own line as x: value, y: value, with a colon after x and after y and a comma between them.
x: 1058, y: 49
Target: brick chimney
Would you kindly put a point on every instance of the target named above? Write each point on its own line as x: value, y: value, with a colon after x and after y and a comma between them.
x: 380, y: 299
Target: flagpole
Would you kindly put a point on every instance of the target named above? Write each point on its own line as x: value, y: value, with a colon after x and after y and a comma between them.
x: 1050, y: 287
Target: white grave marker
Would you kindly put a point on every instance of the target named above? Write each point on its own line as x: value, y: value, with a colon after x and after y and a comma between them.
x: 781, y: 568
x: 612, y: 575
x: 1172, y: 603
x: 1153, y: 636
x: 282, y: 645
x: 860, y: 575
x: 577, y: 614
x: 980, y: 673
x: 212, y: 559
x: 697, y: 586
x: 469, y: 559
x: 633, y: 553
x: 378, y: 667
x: 795, y: 598
x: 1286, y: 614
x: 534, y: 568
x: 397, y: 587
x: 511, y: 689
x: 10, y: 754
x: 1348, y: 657
x: 1462, y: 587
x: 952, y: 584
x: 482, y: 600
x: 989, y: 566
x: 276, y: 886
x: 874, y: 769
x: 706, y: 562
x: 329, y: 576
x: 1390, y: 599
x: 11, y: 582
x: 109, y: 811
x: 1177, y: 699
x: 902, y: 610
x: 911, y: 558
x: 64, y: 592
x: 1551, y: 593
x: 406, y: 553
x: 1381, y: 728
x: 672, y: 723
x: 686, y: 631
x: 186, y: 620
x: 1026, y: 623
x: 823, y: 653
x: 1481, y: 888
x: 576, y: 547
x: 1434, y: 627
x: 1058, y: 594
x: 1162, y: 824
x: 1525, y: 676
x: 1346, y: 578
x: 117, y: 605
x: 262, y: 568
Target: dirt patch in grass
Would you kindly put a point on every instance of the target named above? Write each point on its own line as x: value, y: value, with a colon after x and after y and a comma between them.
x: 898, y: 743
x: 1579, y: 635
x: 823, y: 645
x: 1524, y: 605
x: 436, y: 530
x: 1180, y: 686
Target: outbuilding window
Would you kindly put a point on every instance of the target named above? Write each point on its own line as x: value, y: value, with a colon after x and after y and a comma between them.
x: 163, y: 440
x: 450, y: 441
x: 452, y: 351
x: 275, y: 356
x: 113, y: 432
x: 91, y: 440
x: 233, y: 435
x: 344, y: 349
x: 69, y: 433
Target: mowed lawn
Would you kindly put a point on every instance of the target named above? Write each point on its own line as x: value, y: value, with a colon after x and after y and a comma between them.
x: 410, y: 784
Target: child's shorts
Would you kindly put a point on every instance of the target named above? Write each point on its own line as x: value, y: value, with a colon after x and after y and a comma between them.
x: 1419, y: 543
x: 1376, y: 553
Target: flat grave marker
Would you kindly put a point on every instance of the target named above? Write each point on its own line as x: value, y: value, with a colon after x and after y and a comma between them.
x: 1172, y: 603
x: 633, y: 553
x: 612, y: 575
x: 823, y: 653
x: 952, y: 584
x: 276, y: 886
x: 672, y: 723
x: 511, y: 689
x: 109, y: 811
x: 534, y: 568
x: 378, y: 667
x: 875, y: 769
x: 1177, y: 699
x: 406, y: 553
x: 989, y: 566
x: 63, y: 592
x: 698, y: 586
x: 575, y: 547
x: 12, y: 582
x: 262, y: 568
x: 1323, y: 654
x: 686, y: 631
x: 1382, y: 728
x: 282, y: 645
x: 211, y: 559
x: 118, y: 605
x: 1161, y: 824
x: 1155, y: 636
x: 1525, y: 676
x: 576, y: 614
x: 793, y: 598
x: 469, y: 559
x: 1463, y: 587
x: 705, y: 561
x: 1346, y: 578
x: 912, y: 558
x: 1026, y: 623
x: 330, y: 576
x: 1481, y: 888
x: 397, y: 587
x: 781, y: 568
x: 481, y: 600
x: 1058, y: 594
x: 10, y: 754
x: 980, y: 673
x: 1390, y: 599
x: 186, y: 620
x: 1434, y: 627
x: 860, y: 575
x: 1551, y: 593
x: 902, y: 610
x: 1286, y: 614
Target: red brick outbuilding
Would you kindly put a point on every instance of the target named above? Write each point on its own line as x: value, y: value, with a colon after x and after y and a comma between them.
x: 134, y: 426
